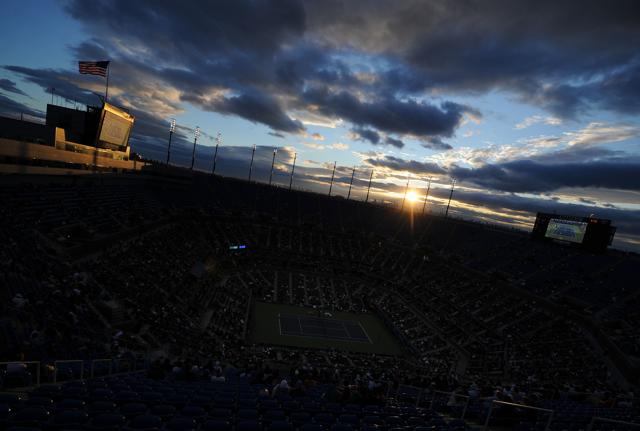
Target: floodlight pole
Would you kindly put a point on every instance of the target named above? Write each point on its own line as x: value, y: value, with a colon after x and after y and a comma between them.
x: 273, y: 161
x: 293, y: 168
x: 333, y: 174
x: 193, y: 154
x: 369, y: 187
x: 351, y: 183
x: 253, y: 152
x: 215, y: 154
x: 172, y: 129
x: 406, y: 189
x: 426, y: 198
x: 453, y: 184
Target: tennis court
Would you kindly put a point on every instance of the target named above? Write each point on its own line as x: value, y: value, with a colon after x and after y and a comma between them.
x: 320, y: 327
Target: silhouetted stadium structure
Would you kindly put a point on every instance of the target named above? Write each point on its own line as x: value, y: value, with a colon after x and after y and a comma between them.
x: 157, y: 298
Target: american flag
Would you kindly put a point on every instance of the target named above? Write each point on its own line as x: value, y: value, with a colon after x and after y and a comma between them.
x: 93, y: 67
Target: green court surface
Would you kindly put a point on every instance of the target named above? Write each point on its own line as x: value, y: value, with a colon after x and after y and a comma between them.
x: 342, y: 331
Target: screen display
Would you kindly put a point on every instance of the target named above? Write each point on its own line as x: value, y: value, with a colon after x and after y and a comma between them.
x: 566, y: 230
x: 115, y: 129
x: 116, y: 126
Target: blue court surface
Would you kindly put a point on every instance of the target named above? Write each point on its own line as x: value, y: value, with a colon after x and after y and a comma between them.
x: 320, y: 327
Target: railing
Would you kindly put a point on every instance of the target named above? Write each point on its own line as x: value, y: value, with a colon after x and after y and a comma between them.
x: 466, y: 398
x: 27, y: 363
x: 113, y: 366
x: 612, y: 421
x: 522, y: 406
x: 56, y: 367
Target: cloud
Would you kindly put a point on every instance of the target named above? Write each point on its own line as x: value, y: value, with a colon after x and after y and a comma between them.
x: 12, y: 108
x: 259, y: 108
x: 536, y: 119
x: 390, y: 114
x: 10, y: 86
x: 533, y: 176
x: 397, y: 164
x: 339, y: 146
x: 601, y: 133
x: 317, y: 137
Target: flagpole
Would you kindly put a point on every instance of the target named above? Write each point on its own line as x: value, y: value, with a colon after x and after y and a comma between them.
x: 106, y: 90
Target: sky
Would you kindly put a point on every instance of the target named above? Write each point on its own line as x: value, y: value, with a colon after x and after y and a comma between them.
x: 529, y: 105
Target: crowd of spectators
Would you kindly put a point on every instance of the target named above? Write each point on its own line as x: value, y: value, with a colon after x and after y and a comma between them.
x: 158, y: 274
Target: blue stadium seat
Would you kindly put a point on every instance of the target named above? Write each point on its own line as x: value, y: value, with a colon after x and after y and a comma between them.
x: 70, y: 404
x: 370, y: 420
x: 326, y: 419
x: 145, y: 422
x: 101, y: 407
x: 216, y: 425
x: 40, y: 401
x: 248, y: 426
x: 133, y: 409
x: 181, y: 424
x: 220, y: 413
x: 341, y: 427
x: 311, y: 427
x: 249, y: 414
x: 349, y: 419
x: 299, y: 418
x: 194, y: 412
x: 30, y: 416
x: 70, y: 419
x: 394, y: 421
x: 165, y: 411
x: 280, y: 426
x: 107, y: 421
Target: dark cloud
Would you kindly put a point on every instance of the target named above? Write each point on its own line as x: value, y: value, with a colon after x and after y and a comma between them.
x: 565, y: 57
x: 533, y: 176
x: 398, y: 164
x: 10, y: 86
x: 394, y: 142
x: 367, y: 135
x: 260, y: 108
x: 409, y: 116
x: 11, y: 108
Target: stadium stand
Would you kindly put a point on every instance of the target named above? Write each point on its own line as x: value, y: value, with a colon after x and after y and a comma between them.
x: 164, y: 276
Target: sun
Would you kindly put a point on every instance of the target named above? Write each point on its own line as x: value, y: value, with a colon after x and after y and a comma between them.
x: 412, y: 196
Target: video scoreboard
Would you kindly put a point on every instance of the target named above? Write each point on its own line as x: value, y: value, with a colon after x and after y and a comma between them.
x: 591, y: 233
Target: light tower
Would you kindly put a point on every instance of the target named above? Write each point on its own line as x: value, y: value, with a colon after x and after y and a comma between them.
x: 195, y: 140
x: 273, y: 161
x: 406, y: 189
x: 333, y: 174
x: 172, y: 128
x: 293, y: 168
x: 351, y: 182
x: 426, y: 198
x: 453, y: 184
x: 253, y: 152
x: 215, y: 154
x: 369, y: 187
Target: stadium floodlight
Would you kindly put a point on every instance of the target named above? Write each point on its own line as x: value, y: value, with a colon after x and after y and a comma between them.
x: 406, y: 189
x: 333, y: 174
x: 273, y: 161
x: 215, y: 154
x: 293, y: 168
x: 351, y: 182
x: 172, y: 128
x: 453, y: 184
x: 195, y: 140
x: 426, y: 198
x: 253, y: 153
x: 369, y: 187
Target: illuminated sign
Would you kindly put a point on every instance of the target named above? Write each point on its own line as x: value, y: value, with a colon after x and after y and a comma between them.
x: 566, y: 230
